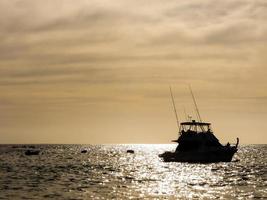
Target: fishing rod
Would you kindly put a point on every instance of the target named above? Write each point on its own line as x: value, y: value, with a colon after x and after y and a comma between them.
x: 197, y: 111
x: 174, y: 108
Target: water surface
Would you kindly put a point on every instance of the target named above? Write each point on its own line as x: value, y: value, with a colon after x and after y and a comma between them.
x: 108, y: 172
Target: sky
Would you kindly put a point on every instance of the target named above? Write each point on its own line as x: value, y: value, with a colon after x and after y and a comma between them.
x: 99, y: 71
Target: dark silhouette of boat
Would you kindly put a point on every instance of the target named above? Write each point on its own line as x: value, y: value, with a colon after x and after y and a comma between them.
x: 32, y: 152
x: 197, y: 143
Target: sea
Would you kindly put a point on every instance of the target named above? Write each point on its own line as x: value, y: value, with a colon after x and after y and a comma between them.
x: 109, y: 172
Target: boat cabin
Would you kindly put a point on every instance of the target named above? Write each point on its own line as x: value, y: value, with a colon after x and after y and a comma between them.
x: 195, y: 127
x: 195, y: 135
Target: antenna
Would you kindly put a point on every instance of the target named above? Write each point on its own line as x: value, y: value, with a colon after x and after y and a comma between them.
x: 197, y: 111
x: 174, y: 108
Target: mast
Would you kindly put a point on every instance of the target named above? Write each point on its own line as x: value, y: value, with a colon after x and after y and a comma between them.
x: 197, y: 111
x: 174, y: 108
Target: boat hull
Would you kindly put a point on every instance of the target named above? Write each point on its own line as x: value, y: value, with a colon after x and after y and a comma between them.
x: 205, y: 156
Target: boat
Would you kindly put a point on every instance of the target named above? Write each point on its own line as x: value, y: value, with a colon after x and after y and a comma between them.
x: 197, y: 143
x: 31, y: 152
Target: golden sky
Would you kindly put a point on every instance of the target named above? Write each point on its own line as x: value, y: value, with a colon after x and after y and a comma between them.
x: 99, y: 71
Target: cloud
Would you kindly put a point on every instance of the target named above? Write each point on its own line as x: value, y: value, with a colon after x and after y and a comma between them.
x: 129, y: 41
x: 63, y: 62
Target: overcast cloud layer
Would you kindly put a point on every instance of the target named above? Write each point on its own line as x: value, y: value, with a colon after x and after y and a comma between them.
x: 65, y: 53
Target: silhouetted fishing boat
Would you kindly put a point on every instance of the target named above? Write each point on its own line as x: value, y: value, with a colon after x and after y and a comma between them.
x: 197, y: 143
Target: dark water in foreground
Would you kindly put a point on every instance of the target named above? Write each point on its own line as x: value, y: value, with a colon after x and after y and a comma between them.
x: 108, y: 172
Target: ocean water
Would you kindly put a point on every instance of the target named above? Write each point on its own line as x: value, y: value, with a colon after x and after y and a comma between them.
x: 108, y: 172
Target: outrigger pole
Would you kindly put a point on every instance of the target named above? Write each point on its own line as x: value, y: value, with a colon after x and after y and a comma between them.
x: 174, y: 108
x: 198, y: 115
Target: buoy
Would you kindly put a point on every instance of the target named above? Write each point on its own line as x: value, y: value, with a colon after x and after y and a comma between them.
x: 130, y: 151
x: 84, y: 151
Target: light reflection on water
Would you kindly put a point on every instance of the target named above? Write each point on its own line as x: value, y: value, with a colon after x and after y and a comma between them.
x: 107, y: 172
